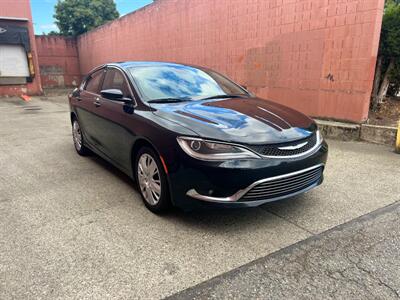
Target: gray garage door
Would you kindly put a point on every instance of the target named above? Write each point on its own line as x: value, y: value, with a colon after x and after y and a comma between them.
x: 13, y: 64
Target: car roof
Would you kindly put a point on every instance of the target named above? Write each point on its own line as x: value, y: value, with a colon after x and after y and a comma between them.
x: 133, y: 64
x: 124, y: 65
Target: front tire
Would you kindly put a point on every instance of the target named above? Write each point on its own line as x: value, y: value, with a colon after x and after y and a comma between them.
x: 151, y: 180
x: 77, y: 137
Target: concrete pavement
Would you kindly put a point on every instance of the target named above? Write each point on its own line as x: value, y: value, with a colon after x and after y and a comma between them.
x: 74, y: 227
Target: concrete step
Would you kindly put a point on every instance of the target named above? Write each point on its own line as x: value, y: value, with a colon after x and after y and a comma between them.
x: 384, y: 135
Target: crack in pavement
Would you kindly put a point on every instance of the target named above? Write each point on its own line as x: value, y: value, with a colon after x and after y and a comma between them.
x: 381, y: 282
x: 287, y: 220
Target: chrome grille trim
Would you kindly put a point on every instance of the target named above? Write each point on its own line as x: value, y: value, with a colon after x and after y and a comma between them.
x: 292, y: 185
x: 283, y: 182
x: 278, y: 192
x: 279, y: 187
x: 313, y: 144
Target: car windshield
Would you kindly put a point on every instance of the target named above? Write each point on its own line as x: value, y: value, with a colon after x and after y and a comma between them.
x: 158, y: 83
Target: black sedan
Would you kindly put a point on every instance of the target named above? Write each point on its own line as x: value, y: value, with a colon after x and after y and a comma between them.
x: 190, y: 137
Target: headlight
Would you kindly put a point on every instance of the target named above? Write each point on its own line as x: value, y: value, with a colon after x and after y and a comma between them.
x: 206, y: 150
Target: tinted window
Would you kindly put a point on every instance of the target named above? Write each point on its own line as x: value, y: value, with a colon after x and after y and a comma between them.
x: 93, y: 83
x: 115, y: 80
x: 176, y: 81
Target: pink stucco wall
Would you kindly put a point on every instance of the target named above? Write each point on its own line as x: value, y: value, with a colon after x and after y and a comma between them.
x: 317, y: 56
x: 58, y: 61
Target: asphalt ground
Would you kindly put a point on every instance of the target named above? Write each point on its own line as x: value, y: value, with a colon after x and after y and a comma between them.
x: 75, y: 227
x: 355, y: 260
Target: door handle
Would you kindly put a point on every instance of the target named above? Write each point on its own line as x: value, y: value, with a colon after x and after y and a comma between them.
x: 97, y: 102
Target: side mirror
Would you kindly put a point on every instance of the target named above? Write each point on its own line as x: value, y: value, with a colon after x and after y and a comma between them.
x: 75, y: 92
x: 112, y: 94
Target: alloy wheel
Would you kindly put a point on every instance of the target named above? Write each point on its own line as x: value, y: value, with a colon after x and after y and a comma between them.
x: 149, y: 179
x: 77, y: 135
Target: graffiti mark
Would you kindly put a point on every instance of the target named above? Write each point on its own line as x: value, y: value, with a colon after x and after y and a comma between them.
x: 330, y: 77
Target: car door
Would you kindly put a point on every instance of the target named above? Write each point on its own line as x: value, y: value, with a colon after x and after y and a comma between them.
x: 87, y: 104
x: 114, y: 129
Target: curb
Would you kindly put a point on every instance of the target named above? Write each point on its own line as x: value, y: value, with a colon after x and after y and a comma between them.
x: 397, y: 147
x: 376, y: 134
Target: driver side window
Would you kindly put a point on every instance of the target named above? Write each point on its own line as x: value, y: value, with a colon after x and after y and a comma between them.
x: 114, y: 79
x: 93, y: 83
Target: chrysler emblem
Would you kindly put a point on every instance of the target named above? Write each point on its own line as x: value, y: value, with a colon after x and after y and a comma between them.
x: 294, y: 147
x: 2, y: 30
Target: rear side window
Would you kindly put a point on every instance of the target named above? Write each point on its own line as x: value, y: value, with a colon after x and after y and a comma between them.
x: 93, y: 83
x: 115, y: 80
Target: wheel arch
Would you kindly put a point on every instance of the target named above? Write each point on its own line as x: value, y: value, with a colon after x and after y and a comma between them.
x: 138, y: 144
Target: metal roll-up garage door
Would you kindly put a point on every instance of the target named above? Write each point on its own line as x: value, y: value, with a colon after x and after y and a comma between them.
x: 13, y: 64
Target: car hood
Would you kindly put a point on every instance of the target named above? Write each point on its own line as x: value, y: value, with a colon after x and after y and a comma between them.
x: 239, y: 120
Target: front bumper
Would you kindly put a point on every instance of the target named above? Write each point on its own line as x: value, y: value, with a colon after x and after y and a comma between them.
x: 198, y: 184
x: 270, y: 189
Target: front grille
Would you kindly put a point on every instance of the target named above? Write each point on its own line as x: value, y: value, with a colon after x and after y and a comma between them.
x: 273, y: 150
x: 284, y: 185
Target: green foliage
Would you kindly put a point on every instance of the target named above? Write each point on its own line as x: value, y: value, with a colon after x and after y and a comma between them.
x: 53, y: 32
x: 389, y: 48
x: 394, y: 77
x: 390, y: 36
x: 74, y: 17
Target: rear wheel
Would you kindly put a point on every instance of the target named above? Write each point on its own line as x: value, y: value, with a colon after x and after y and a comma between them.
x: 151, y: 180
x: 78, y: 138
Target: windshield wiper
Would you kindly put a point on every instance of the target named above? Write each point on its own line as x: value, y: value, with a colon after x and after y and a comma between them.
x: 226, y: 96
x: 169, y: 100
